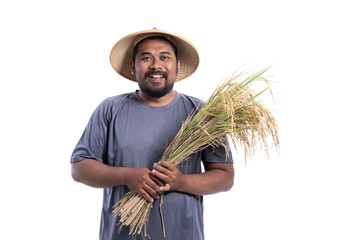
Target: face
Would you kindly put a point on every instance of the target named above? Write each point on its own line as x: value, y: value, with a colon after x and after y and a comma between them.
x: 155, y: 67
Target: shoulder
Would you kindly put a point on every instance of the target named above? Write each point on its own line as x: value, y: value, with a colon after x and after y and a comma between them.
x: 112, y: 104
x: 116, y: 101
x: 195, y: 102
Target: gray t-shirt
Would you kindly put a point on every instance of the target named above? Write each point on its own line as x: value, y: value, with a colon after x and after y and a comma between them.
x: 124, y: 131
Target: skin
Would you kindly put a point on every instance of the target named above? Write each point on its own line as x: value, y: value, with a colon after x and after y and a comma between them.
x: 155, y: 55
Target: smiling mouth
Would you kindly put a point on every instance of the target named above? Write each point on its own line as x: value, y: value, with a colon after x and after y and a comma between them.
x: 156, y: 76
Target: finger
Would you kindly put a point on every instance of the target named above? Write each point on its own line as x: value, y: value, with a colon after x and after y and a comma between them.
x: 162, y: 169
x: 167, y: 165
x: 152, y: 189
x: 158, y: 181
x: 165, y: 188
x: 163, y: 177
x: 145, y: 195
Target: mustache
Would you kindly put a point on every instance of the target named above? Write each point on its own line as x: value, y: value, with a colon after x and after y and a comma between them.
x: 149, y: 73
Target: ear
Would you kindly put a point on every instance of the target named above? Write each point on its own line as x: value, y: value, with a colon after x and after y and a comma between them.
x: 178, y: 67
x: 132, y: 67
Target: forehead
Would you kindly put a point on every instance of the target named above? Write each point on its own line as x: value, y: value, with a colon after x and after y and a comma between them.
x: 154, y: 46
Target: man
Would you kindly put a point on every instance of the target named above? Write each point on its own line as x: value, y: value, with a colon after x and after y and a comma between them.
x: 127, y: 135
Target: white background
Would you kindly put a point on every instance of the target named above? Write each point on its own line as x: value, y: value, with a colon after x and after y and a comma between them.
x: 55, y: 71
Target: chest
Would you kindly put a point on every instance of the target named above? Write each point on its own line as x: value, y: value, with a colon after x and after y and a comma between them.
x: 138, y: 136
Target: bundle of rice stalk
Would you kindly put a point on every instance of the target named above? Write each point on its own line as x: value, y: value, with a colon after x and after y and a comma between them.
x: 233, y: 111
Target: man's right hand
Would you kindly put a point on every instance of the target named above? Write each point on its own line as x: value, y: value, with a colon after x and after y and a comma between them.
x: 142, y: 181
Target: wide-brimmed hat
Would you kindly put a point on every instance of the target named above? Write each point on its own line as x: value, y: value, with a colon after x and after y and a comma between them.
x: 122, y: 53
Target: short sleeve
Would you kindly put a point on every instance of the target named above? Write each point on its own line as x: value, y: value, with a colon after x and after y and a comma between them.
x: 93, y: 142
x: 216, y: 155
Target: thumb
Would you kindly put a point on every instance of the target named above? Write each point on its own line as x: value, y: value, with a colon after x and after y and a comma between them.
x: 165, y: 188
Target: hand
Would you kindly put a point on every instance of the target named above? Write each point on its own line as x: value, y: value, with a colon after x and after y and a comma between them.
x: 169, y: 174
x: 142, y: 181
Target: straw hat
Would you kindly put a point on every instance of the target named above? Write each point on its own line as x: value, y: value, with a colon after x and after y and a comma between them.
x: 121, y: 53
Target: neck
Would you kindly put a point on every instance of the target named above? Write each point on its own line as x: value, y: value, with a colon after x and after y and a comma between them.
x: 157, y: 102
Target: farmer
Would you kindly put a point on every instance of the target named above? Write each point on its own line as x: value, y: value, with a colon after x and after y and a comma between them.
x: 128, y: 133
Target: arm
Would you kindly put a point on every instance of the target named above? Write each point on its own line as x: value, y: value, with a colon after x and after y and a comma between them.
x: 218, y: 177
x: 96, y: 174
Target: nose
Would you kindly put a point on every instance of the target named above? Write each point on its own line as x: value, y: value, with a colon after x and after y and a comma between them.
x: 156, y: 64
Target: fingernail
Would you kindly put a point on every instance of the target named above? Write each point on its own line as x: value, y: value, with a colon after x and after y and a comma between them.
x: 153, y: 171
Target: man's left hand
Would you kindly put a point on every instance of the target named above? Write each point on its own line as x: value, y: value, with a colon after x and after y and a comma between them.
x: 169, y: 174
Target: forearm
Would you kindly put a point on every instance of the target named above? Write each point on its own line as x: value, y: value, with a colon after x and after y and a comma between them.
x: 211, y: 181
x: 97, y: 174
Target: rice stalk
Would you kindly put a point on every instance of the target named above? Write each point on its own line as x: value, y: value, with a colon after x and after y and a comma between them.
x: 231, y: 112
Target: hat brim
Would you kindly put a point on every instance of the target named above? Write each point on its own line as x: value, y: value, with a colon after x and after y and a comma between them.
x: 122, y: 53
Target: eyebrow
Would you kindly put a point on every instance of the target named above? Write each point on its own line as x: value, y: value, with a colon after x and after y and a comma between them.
x: 165, y: 52
x: 146, y: 53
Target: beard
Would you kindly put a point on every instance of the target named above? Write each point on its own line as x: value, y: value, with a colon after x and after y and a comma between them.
x: 153, y: 89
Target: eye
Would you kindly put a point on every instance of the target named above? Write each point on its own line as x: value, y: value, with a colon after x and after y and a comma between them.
x: 146, y: 58
x: 164, y: 57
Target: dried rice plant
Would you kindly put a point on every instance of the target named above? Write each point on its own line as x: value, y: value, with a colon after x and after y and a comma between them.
x: 233, y: 111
